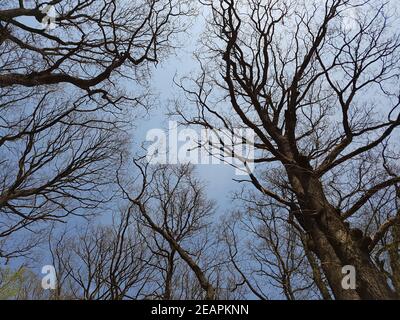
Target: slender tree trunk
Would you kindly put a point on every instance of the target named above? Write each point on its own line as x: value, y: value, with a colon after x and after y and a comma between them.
x: 200, y: 275
x: 169, y: 275
x: 317, y: 276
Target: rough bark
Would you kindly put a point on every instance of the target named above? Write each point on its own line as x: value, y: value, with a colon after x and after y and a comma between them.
x: 333, y: 241
x: 317, y: 276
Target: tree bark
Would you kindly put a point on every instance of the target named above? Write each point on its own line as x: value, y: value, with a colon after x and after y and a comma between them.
x: 395, y: 259
x: 317, y: 276
x: 169, y: 275
x: 333, y: 241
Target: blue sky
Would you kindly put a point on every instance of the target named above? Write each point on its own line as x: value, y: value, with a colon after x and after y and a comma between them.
x: 219, y: 178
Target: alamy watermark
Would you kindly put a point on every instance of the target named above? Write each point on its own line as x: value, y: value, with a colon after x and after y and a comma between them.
x: 50, y: 15
x: 49, y: 281
x: 349, y: 280
x: 209, y: 146
x: 350, y: 20
x: 49, y: 20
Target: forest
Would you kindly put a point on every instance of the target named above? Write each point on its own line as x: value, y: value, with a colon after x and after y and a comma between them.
x: 298, y: 100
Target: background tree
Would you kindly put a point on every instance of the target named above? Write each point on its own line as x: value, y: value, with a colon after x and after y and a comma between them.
x: 20, y: 284
x: 91, y: 44
x: 173, y: 205
x: 66, y: 96
x: 54, y: 163
x: 270, y: 253
x: 102, y: 262
x: 168, y: 252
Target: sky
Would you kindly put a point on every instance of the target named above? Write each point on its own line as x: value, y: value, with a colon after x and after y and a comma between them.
x: 219, y: 178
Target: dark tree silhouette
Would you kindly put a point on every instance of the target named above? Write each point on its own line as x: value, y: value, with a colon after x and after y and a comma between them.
x: 172, y: 203
x: 92, y: 43
x: 323, y: 100
x: 66, y: 96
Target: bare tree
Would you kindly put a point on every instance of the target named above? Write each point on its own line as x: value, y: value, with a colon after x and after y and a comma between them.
x: 268, y: 253
x: 103, y: 262
x: 56, y: 161
x: 323, y: 100
x: 66, y: 96
x: 168, y: 252
x: 172, y: 203
x: 90, y: 44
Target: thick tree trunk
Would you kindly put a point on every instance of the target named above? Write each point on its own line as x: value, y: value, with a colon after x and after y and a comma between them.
x: 333, y: 242
x: 395, y: 259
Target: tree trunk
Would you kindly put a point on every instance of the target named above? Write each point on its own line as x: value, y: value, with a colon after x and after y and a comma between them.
x: 317, y: 276
x: 333, y: 242
x: 169, y: 275
x: 395, y: 259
